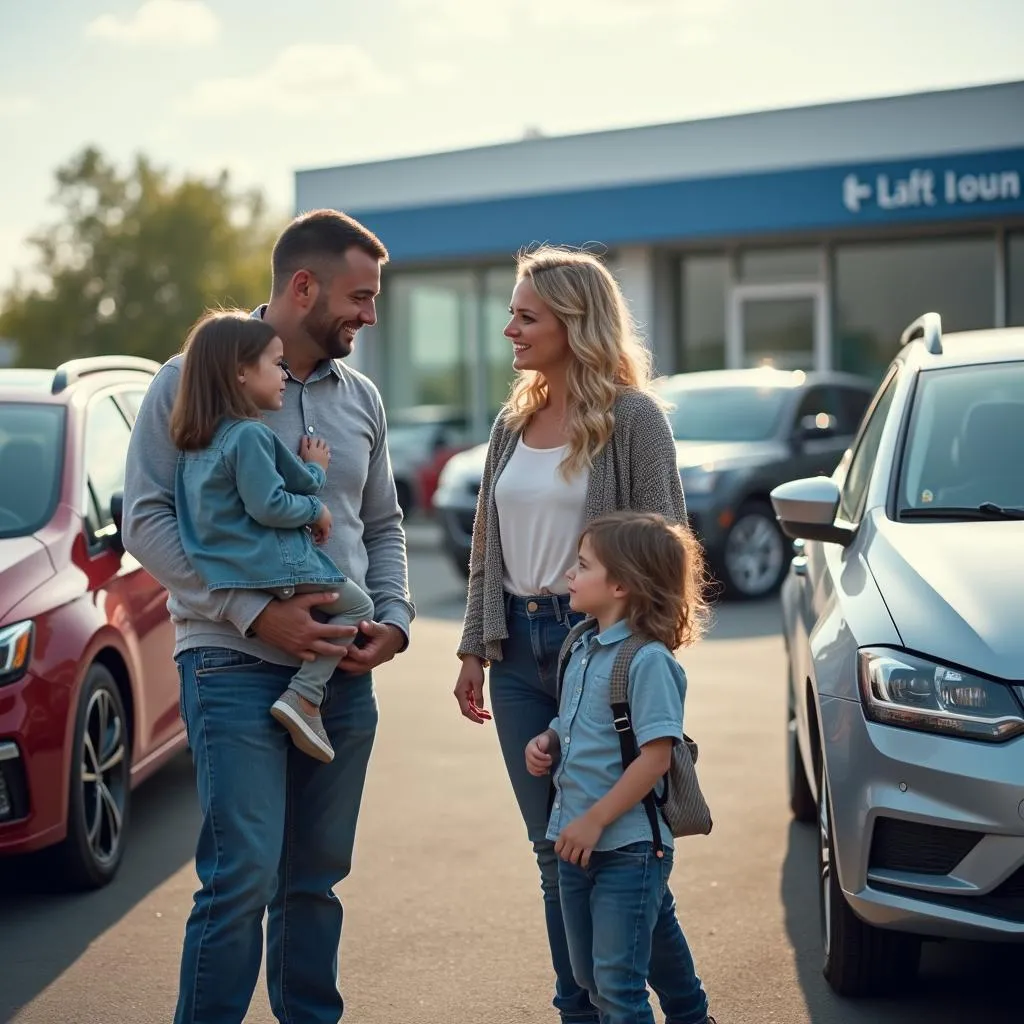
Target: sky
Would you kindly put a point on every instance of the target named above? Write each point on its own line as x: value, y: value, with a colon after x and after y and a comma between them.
x: 263, y: 88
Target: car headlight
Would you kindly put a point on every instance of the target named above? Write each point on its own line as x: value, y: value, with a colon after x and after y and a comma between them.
x: 698, y: 480
x: 902, y: 689
x: 15, y: 651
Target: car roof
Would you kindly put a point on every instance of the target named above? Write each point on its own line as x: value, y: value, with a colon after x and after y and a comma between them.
x: 55, y: 387
x: 968, y: 348
x: 759, y: 377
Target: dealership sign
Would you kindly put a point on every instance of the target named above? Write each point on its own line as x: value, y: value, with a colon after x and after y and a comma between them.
x: 922, y: 187
x: 946, y: 188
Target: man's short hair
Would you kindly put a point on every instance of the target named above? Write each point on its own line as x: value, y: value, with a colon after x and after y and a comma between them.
x: 317, y: 238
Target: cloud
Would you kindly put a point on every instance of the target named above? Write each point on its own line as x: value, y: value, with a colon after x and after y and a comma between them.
x: 16, y: 106
x: 304, y: 79
x: 159, y: 22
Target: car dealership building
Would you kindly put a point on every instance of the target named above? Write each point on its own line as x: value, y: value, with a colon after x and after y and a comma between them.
x: 804, y: 238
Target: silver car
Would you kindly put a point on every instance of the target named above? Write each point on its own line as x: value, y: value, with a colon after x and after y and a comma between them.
x: 904, y: 625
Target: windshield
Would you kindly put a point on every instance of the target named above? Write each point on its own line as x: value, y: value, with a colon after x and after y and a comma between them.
x: 30, y: 459
x: 725, y: 414
x: 965, y: 445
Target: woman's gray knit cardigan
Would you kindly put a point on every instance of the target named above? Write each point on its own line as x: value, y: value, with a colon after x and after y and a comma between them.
x: 636, y: 470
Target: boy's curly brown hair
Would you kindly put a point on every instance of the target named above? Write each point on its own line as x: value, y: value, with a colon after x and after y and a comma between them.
x: 661, y: 566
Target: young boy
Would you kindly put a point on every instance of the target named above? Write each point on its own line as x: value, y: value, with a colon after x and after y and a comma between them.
x: 635, y: 574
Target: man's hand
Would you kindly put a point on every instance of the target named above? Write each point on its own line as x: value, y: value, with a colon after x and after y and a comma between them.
x: 289, y: 626
x: 577, y: 840
x: 384, y: 641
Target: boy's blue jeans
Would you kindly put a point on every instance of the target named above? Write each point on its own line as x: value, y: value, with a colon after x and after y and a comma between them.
x: 621, y: 926
x: 276, y: 837
x: 522, y: 692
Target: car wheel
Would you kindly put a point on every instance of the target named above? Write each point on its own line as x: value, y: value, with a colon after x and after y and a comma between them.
x: 754, y: 553
x: 860, y: 960
x: 801, y: 799
x: 100, y: 790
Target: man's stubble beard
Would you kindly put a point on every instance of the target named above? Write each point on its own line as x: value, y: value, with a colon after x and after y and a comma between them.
x: 325, y: 332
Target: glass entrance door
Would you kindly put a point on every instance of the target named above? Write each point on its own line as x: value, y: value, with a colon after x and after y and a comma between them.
x: 784, y: 325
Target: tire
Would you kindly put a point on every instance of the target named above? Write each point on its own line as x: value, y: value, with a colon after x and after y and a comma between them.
x: 860, y: 960
x: 99, y: 795
x: 801, y: 800
x: 754, y: 560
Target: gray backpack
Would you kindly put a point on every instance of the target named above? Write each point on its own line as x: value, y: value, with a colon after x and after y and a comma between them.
x: 681, y: 804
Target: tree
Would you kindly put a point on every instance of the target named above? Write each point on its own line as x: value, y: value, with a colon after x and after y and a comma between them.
x: 134, y: 259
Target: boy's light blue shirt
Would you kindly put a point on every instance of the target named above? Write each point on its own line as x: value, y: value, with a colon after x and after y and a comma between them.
x: 243, y: 503
x: 591, y: 758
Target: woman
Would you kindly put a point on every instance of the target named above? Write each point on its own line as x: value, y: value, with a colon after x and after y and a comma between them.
x: 580, y: 436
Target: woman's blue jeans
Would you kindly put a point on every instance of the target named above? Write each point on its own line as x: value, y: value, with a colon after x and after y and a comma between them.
x: 523, y: 686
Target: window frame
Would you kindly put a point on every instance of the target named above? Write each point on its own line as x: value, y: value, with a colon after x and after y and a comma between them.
x: 888, y: 387
x: 97, y: 539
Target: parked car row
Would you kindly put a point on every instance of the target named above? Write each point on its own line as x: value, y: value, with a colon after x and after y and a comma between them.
x: 88, y: 688
x: 420, y: 441
x: 906, y: 660
x: 738, y: 434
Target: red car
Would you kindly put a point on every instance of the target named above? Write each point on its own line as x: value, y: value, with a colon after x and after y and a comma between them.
x: 88, y: 687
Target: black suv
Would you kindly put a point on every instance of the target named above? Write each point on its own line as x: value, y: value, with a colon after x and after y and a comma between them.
x: 739, y: 433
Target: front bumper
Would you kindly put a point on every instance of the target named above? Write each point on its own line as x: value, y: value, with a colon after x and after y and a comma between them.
x: 33, y: 764
x: 928, y: 830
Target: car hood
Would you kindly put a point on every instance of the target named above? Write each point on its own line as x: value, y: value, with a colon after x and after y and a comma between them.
x: 725, y: 454
x: 953, y: 590
x: 24, y: 566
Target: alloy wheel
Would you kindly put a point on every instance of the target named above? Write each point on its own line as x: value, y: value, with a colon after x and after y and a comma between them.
x: 104, y: 776
x: 754, y: 554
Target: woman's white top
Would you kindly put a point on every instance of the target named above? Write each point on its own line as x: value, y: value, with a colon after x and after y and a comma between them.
x: 540, y: 516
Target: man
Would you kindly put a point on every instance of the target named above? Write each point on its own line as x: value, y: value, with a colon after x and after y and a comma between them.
x: 278, y: 827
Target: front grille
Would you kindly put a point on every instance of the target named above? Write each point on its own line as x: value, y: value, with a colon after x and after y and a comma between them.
x: 13, y: 787
x: 923, y: 849
x: 1005, y: 902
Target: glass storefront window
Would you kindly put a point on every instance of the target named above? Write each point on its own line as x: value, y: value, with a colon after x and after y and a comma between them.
x: 1015, y: 279
x: 430, y: 333
x: 770, y: 266
x: 705, y: 287
x: 880, y: 287
x: 497, y: 349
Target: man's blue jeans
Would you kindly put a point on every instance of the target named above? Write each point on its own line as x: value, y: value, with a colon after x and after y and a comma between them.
x: 522, y: 689
x: 621, y: 925
x: 277, y: 835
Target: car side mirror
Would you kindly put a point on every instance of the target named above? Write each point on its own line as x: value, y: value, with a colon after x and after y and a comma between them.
x: 806, y: 510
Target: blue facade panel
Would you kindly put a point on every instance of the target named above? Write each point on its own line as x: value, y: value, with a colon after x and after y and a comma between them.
x: 987, y: 185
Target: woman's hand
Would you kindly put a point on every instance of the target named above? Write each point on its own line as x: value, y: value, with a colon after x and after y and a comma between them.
x: 469, y: 690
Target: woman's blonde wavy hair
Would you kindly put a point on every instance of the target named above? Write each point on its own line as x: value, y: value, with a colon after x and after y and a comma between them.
x: 608, y: 353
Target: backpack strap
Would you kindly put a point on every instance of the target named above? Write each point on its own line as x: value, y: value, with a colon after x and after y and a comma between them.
x: 619, y: 699
x: 563, y: 655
